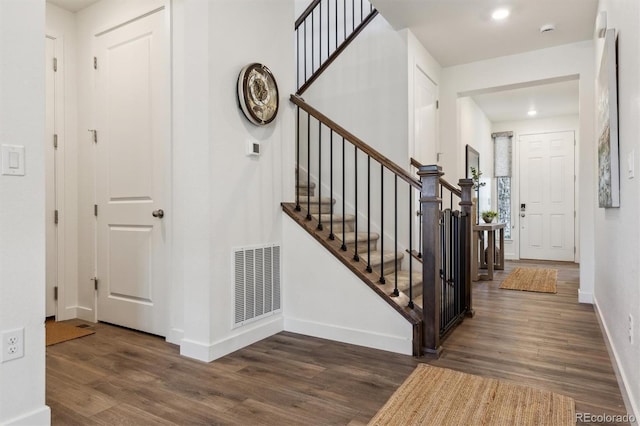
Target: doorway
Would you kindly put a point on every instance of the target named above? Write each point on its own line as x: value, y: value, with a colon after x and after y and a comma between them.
x: 547, y: 196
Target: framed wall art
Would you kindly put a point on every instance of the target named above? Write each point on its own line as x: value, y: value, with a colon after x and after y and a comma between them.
x: 607, y: 125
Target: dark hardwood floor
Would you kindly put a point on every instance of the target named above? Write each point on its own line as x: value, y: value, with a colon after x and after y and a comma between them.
x: 119, y: 377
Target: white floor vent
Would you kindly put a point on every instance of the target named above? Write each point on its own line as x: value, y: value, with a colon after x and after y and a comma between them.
x: 257, y: 282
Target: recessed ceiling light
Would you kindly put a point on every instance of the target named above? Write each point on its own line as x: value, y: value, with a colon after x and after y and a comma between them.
x: 532, y: 113
x: 500, y: 14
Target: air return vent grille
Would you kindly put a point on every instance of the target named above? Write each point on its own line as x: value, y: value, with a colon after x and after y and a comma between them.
x: 257, y: 282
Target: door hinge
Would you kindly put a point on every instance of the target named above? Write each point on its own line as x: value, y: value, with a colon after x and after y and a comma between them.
x: 55, y: 64
x: 574, y: 250
x: 55, y: 217
x: 95, y: 282
x: 95, y: 210
x: 55, y: 293
x: 94, y: 134
x: 95, y: 62
x: 437, y: 104
x: 55, y: 141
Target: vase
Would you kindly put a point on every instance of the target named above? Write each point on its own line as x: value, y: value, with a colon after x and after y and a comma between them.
x: 487, y: 219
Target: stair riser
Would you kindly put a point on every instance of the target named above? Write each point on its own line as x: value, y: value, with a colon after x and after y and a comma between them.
x: 306, y: 191
x: 316, y: 208
x: 362, y: 247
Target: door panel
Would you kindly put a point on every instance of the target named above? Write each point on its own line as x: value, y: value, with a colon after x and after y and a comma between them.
x: 132, y: 123
x: 547, y: 191
x: 51, y: 231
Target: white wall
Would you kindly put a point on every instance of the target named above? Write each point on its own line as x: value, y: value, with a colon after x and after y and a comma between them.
x: 569, y: 60
x: 22, y: 260
x: 475, y: 130
x: 61, y: 25
x: 222, y: 198
x: 617, y: 288
x: 365, y: 90
x: 323, y: 298
x: 528, y: 127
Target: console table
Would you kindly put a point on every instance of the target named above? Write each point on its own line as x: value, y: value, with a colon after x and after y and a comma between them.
x: 495, y: 256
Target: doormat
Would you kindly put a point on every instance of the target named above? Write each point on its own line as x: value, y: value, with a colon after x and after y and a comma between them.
x: 439, y: 396
x: 58, y: 332
x: 542, y: 280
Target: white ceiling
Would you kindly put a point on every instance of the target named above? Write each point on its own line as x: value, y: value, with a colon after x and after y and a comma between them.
x: 73, y: 5
x: 548, y: 100
x: 462, y: 31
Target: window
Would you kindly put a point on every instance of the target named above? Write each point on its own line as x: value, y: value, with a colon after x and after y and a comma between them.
x: 502, y: 172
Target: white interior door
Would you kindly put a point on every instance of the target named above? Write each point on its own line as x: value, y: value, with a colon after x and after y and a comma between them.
x: 547, y: 196
x: 51, y: 231
x: 132, y: 132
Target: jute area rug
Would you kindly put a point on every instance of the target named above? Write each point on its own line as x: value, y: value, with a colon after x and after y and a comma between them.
x: 542, y: 280
x: 439, y: 396
x: 58, y: 332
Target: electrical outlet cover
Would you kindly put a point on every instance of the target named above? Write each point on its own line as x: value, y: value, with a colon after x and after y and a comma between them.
x: 12, y: 345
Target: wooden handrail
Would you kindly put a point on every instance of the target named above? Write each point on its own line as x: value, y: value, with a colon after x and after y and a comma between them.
x: 399, y: 171
x: 337, y: 52
x: 455, y: 190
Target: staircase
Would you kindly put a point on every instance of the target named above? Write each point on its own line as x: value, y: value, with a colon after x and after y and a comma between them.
x: 365, y: 245
x: 385, y: 224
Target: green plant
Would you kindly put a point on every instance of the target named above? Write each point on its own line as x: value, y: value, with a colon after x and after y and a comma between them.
x: 475, y: 176
x: 488, y: 215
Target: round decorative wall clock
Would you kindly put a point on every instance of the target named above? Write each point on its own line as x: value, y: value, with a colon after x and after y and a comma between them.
x: 258, y: 94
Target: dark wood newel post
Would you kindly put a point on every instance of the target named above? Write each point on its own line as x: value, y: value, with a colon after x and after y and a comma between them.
x: 430, y: 201
x: 466, y: 204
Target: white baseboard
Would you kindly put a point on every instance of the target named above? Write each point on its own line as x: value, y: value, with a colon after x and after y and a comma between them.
x: 39, y: 417
x: 629, y: 402
x: 242, y: 337
x: 175, y: 336
x: 585, y: 297
x: 86, y: 314
x: 352, y: 336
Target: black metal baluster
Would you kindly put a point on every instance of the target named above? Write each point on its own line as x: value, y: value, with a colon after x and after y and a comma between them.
x: 355, y: 207
x: 313, y: 43
x: 410, y: 248
x: 420, y: 232
x: 361, y: 12
x: 381, y: 280
x: 305, y: 50
x: 298, y: 162
x: 369, y: 214
x: 331, y: 236
x: 320, y: 35
x: 308, y: 166
x: 395, y: 237
x: 298, y: 57
x: 328, y: 28
x: 319, y: 227
x: 336, y: 44
x: 353, y: 15
x: 344, y: 21
x: 344, y: 197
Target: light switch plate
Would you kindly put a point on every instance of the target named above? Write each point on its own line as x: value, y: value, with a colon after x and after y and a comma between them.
x: 12, y: 160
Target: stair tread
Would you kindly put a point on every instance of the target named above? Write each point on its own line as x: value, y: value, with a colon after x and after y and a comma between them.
x: 326, y: 217
x: 377, y: 257
x: 305, y: 184
x: 350, y: 237
x: 315, y: 200
x: 403, y: 281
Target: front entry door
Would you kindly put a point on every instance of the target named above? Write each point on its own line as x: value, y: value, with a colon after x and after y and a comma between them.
x: 132, y: 131
x: 547, y: 196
